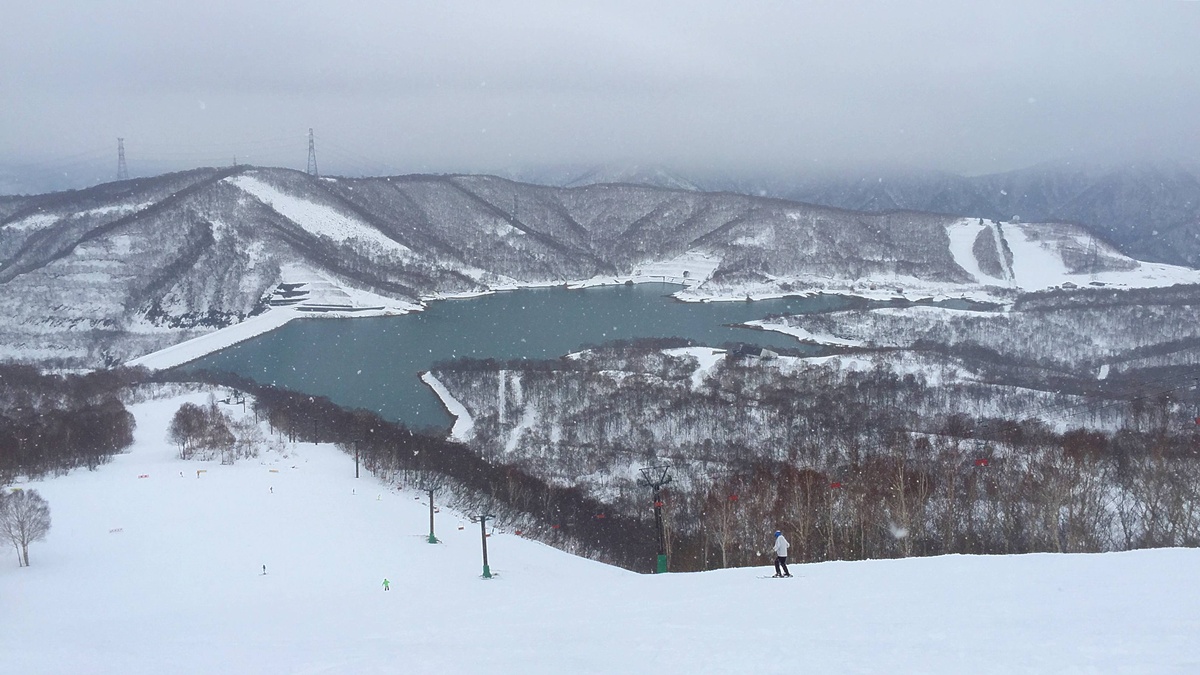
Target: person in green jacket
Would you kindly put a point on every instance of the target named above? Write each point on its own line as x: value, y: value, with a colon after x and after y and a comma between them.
x: 387, y: 585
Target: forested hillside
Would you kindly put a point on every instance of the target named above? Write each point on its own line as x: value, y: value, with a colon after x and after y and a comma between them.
x: 51, y: 424
x: 1149, y: 211
x: 871, y: 454
x: 1079, y: 333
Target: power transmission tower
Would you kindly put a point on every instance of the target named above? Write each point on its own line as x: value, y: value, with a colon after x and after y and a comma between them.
x: 1093, y: 257
x: 122, y: 170
x: 312, y: 154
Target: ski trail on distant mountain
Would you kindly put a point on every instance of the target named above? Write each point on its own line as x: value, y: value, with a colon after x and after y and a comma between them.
x: 1005, y: 267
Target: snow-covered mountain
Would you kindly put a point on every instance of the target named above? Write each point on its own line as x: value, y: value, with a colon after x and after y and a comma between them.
x: 1150, y: 211
x: 111, y: 272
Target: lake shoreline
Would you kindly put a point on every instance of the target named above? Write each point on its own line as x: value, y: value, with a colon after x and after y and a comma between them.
x: 223, y: 338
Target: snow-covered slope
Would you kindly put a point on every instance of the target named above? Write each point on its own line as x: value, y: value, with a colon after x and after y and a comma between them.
x: 152, y: 567
x: 318, y: 219
x: 1150, y: 211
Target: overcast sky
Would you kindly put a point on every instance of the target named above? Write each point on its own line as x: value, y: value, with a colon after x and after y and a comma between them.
x: 459, y: 85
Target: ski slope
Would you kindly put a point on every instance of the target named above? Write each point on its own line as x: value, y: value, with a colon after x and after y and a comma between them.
x: 163, y: 574
x: 318, y: 219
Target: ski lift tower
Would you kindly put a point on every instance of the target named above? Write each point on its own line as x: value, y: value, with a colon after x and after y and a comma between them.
x: 482, y: 518
x: 655, y: 477
x: 430, y: 486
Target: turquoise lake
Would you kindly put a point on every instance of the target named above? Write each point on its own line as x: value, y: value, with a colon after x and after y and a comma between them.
x: 374, y: 363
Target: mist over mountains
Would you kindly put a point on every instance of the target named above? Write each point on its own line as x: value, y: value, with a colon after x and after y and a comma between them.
x: 1149, y: 210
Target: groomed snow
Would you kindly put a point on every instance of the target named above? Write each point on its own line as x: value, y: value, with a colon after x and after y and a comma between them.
x: 163, y: 574
x: 316, y: 218
x: 962, y: 236
x: 1034, y: 264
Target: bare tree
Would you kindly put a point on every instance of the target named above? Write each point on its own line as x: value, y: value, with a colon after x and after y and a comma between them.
x: 720, y: 510
x: 187, y: 428
x: 24, y: 518
x: 249, y: 439
x: 195, y: 428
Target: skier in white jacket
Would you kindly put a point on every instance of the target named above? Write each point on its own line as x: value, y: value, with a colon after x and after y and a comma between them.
x: 781, y: 547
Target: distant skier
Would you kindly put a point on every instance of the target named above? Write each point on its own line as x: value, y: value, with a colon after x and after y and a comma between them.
x: 264, y: 570
x: 387, y: 585
x: 781, y: 547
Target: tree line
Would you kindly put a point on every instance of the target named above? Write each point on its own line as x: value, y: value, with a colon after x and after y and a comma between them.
x: 50, y: 424
x: 1078, y: 491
